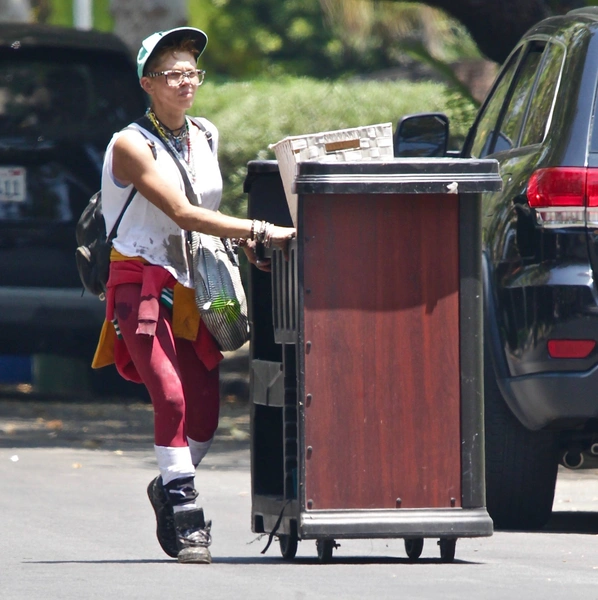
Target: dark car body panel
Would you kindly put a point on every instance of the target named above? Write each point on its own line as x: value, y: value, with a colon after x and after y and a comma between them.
x: 31, y: 35
x: 540, y: 282
x: 63, y: 93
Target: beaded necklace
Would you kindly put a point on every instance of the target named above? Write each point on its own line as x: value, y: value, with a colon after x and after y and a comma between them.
x: 176, y: 142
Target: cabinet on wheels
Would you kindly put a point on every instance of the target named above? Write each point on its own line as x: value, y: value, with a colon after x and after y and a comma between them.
x: 366, y: 377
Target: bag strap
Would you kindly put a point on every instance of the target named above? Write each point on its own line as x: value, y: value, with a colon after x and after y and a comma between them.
x: 120, y: 217
x: 112, y: 235
x: 207, y: 133
x: 189, y: 191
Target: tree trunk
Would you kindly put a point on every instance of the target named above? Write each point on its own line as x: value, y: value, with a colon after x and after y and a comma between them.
x: 15, y: 11
x: 134, y: 20
x: 497, y: 26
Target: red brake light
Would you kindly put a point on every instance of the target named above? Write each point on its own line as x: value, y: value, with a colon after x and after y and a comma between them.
x: 570, y: 348
x: 564, y: 196
x: 592, y: 187
x: 558, y: 186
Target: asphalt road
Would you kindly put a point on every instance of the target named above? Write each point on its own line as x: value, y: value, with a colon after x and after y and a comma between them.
x: 76, y: 524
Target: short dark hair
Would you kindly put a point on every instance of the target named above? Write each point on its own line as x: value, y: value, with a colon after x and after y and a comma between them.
x: 184, y: 45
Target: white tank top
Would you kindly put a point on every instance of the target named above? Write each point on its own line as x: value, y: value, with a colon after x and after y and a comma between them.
x: 145, y: 230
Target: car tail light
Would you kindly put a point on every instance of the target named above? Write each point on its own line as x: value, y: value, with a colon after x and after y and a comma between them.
x: 564, y: 196
x: 570, y: 348
x: 592, y: 198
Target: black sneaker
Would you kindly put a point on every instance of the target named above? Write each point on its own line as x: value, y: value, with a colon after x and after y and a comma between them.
x: 165, y: 529
x: 193, y: 536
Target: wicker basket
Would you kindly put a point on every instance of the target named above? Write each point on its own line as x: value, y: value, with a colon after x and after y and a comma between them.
x: 372, y: 142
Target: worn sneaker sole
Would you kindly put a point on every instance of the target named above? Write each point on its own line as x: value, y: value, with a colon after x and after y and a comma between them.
x: 198, y: 556
x: 165, y: 530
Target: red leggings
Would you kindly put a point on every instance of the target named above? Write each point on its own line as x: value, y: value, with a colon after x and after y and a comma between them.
x: 185, y: 395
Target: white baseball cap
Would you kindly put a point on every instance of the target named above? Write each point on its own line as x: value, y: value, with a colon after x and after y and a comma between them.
x: 157, y: 40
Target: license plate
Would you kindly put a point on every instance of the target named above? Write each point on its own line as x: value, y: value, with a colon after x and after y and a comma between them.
x: 12, y: 184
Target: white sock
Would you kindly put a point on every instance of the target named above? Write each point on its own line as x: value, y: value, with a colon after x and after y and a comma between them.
x: 174, y: 463
x: 198, y: 450
x: 182, y: 507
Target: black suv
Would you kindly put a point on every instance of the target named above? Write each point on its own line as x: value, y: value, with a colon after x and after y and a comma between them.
x: 63, y: 93
x: 540, y: 258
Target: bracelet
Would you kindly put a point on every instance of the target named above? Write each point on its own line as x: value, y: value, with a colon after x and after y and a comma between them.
x: 263, y: 231
x: 260, y: 234
x: 258, y: 229
x: 268, y: 235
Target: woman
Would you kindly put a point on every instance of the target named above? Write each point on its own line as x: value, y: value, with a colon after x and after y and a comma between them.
x: 153, y: 332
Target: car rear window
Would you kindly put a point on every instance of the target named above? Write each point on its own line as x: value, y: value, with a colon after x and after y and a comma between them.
x: 58, y: 94
x: 486, y: 126
x: 512, y: 120
x: 594, y: 137
x: 542, y: 101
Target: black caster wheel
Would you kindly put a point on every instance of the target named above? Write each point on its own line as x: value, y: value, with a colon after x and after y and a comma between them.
x: 288, y: 546
x: 447, y: 549
x: 325, y: 548
x: 414, y: 547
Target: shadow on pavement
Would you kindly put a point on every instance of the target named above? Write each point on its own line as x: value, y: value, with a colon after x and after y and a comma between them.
x: 271, y: 561
x: 572, y: 522
x: 116, y: 425
x: 30, y: 419
x: 336, y: 560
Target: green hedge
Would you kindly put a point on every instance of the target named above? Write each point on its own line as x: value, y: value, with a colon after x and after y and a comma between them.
x: 252, y: 115
x: 60, y: 12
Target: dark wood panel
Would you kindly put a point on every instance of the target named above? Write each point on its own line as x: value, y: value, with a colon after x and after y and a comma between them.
x: 381, y: 317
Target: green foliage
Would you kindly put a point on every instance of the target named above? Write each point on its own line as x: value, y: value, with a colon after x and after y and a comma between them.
x: 254, y: 38
x: 462, y: 111
x: 396, y: 26
x: 60, y: 12
x: 252, y: 115
x: 322, y: 38
x: 102, y: 19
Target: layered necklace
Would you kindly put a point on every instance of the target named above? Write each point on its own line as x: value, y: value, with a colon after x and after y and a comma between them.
x: 179, y: 142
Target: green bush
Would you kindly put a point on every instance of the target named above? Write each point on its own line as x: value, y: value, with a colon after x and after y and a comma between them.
x: 252, y: 115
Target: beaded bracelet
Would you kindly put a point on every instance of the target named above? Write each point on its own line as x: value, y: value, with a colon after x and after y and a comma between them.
x: 261, y: 231
x: 268, y: 235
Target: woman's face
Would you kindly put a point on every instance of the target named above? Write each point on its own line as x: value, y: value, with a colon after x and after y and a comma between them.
x: 168, y: 97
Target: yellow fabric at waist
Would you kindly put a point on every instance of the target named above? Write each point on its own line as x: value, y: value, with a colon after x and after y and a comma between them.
x: 115, y: 255
x: 185, y: 318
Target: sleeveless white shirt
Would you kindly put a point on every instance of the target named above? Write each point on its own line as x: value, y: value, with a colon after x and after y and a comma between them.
x: 145, y: 230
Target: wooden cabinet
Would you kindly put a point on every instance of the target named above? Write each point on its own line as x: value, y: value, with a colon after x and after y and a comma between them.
x: 367, y: 417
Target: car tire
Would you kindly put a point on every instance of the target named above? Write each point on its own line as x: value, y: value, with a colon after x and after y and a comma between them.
x: 521, y: 465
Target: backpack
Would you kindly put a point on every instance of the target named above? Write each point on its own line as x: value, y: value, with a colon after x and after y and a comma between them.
x: 92, y: 255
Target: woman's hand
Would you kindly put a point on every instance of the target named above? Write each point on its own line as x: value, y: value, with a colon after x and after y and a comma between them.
x: 263, y: 264
x: 280, y: 237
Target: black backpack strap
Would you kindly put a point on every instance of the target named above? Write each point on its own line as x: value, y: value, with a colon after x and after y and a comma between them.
x: 120, y: 217
x: 112, y: 235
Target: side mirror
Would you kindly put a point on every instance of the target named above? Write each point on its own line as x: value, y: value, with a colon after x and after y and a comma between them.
x: 422, y: 135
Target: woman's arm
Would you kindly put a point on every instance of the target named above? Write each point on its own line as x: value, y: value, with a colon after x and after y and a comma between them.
x: 134, y: 163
